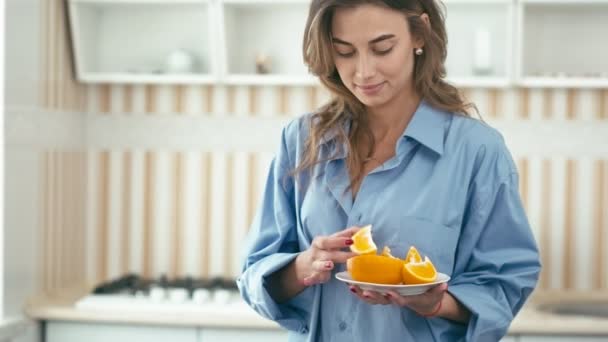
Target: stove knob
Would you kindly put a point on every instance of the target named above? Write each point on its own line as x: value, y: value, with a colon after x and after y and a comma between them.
x: 177, y: 295
x: 157, y: 293
x: 201, y: 296
x: 222, y: 296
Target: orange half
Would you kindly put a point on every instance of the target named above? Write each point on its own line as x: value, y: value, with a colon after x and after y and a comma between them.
x: 374, y: 268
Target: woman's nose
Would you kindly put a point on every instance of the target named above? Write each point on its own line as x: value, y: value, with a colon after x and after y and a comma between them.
x: 365, y: 68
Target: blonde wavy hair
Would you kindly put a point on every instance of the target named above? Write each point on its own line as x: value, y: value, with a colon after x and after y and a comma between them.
x: 429, y: 78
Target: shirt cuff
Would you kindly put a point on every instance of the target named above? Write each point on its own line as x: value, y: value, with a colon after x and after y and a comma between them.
x: 490, y: 316
x: 291, y: 315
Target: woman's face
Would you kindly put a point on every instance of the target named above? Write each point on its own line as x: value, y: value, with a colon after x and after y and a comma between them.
x: 373, y: 53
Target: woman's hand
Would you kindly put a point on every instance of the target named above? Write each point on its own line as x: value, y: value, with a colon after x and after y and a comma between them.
x: 424, y: 304
x: 314, y: 265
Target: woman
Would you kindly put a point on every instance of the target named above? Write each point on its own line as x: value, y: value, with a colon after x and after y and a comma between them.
x: 396, y: 147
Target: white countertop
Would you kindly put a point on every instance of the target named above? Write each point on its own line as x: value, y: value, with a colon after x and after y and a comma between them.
x: 530, y: 320
x: 60, y: 306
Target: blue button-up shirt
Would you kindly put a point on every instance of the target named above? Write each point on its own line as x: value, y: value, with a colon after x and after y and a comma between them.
x: 451, y: 190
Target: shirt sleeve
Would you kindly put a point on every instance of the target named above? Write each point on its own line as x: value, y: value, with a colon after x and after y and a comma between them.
x: 497, y: 262
x: 272, y: 243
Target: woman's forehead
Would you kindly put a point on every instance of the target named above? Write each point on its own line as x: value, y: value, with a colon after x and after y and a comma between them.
x: 363, y: 23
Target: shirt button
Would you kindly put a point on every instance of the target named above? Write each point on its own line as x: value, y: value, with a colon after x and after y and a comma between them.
x: 342, y: 326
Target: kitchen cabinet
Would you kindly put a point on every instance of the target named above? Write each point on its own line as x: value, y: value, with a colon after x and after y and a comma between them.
x: 63, y: 331
x: 143, y: 41
x: 240, y: 335
x: 58, y: 331
x: 480, y: 42
x: 492, y: 43
x: 561, y: 338
x: 547, y: 28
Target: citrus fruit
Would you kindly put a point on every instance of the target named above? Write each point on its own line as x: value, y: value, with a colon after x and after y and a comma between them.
x: 386, y: 252
x: 413, y: 255
x: 374, y: 268
x: 362, y: 241
x: 418, y: 272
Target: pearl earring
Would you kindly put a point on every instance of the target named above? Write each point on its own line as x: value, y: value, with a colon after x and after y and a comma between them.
x: 419, y: 51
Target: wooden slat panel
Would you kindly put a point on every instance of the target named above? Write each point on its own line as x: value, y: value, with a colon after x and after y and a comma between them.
x: 569, y: 243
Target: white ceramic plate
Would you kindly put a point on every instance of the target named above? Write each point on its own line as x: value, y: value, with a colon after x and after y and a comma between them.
x: 404, y: 290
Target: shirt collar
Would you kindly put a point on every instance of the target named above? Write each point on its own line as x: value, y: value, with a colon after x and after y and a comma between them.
x: 427, y: 127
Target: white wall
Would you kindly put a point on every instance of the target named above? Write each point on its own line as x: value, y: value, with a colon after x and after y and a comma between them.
x: 29, y: 130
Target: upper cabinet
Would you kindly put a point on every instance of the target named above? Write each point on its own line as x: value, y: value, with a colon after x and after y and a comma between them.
x: 561, y: 43
x: 480, y: 42
x: 491, y: 43
x: 262, y: 42
x: 143, y: 41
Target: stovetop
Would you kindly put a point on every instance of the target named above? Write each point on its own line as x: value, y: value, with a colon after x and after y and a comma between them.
x: 133, y: 292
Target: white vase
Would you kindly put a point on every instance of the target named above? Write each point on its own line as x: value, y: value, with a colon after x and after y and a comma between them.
x: 179, y: 61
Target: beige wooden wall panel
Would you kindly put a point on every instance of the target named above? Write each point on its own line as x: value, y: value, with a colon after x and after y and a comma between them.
x: 125, y: 207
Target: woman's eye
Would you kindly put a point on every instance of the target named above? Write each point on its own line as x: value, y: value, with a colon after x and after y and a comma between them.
x: 384, y: 52
x: 345, y: 54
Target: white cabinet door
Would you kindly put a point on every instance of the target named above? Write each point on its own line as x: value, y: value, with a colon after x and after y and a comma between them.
x: 240, y: 335
x: 557, y: 338
x: 97, y: 332
x: 509, y: 339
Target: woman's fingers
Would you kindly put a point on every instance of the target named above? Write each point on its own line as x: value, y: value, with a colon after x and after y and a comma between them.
x: 340, y: 257
x: 322, y: 265
x: 328, y: 243
x: 419, y: 302
x: 374, y: 297
x: 325, y: 253
x: 317, y: 278
x: 348, y: 232
x: 370, y: 297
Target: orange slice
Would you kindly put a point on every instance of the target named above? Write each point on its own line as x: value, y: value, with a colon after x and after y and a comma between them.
x: 386, y: 252
x: 419, y: 272
x: 362, y: 241
x: 413, y: 256
x: 374, y: 268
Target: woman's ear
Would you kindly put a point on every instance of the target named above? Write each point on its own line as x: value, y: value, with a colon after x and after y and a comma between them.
x: 425, y: 19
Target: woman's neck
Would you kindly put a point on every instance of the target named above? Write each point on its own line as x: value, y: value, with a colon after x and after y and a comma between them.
x: 392, y: 119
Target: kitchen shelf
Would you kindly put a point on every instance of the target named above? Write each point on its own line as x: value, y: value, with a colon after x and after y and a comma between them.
x: 480, y: 42
x: 573, y: 2
x: 252, y: 29
x: 553, y: 54
x: 565, y: 82
x: 148, y: 79
x: 271, y: 80
x: 485, y: 82
x: 132, y: 41
x: 492, y: 43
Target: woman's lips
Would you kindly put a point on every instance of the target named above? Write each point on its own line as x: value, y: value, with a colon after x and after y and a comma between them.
x: 370, y: 89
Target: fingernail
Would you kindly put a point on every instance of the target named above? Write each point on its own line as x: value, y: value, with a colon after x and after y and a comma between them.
x: 328, y: 264
x: 349, y: 242
x: 387, y: 296
x: 367, y: 296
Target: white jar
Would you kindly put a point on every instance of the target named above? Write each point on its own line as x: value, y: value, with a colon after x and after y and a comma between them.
x: 179, y: 61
